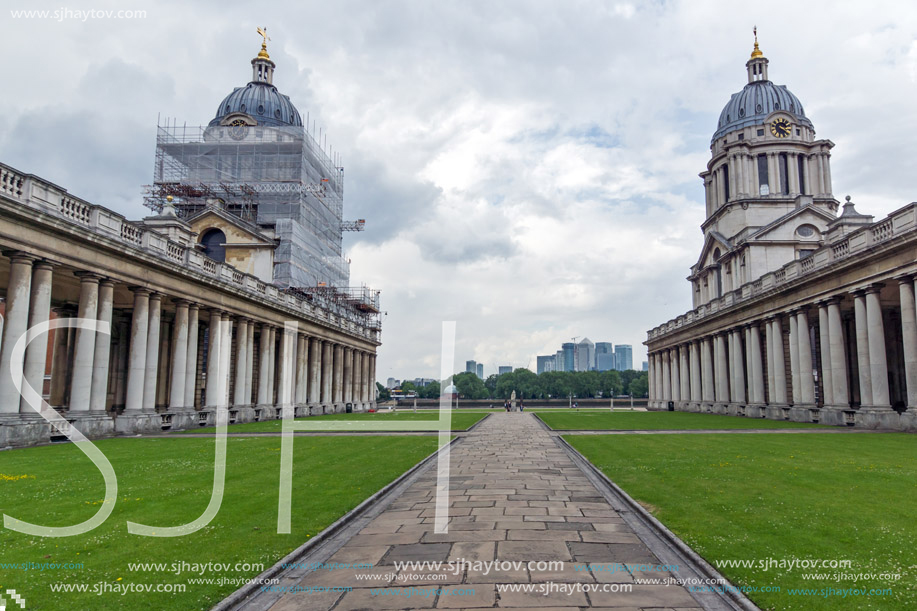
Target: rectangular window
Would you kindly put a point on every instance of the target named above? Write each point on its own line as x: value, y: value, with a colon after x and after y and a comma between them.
x: 726, y: 180
x: 760, y: 132
x: 784, y: 174
x: 763, y: 188
x: 801, y: 171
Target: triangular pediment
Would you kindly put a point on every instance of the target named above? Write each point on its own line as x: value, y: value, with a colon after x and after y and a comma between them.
x: 785, y: 227
x: 203, y: 217
x: 713, y: 241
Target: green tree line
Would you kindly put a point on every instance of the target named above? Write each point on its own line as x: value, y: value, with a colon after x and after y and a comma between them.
x: 551, y: 384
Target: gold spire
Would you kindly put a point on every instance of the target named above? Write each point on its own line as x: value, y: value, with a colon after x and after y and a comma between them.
x: 262, y: 54
x: 757, y: 52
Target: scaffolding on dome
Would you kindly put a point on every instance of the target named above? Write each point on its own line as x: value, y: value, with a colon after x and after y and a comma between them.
x: 271, y: 176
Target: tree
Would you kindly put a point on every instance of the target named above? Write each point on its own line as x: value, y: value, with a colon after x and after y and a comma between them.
x: 407, y: 387
x: 469, y: 385
x: 639, y: 386
x: 430, y: 391
x: 491, y: 385
x: 384, y: 393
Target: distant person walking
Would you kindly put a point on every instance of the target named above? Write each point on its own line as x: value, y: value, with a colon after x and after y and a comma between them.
x: 506, y: 405
x: 521, y: 405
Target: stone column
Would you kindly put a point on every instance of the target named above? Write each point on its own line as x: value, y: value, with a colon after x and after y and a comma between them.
x: 249, y: 360
x: 264, y: 347
x: 225, y: 358
x: 365, y: 377
x: 794, y: 357
x: 98, y: 397
x: 685, y: 379
x: 838, y: 347
x: 779, y: 363
x: 707, y: 393
x: 239, y: 397
x: 756, y: 382
x: 179, y: 355
x: 315, y: 369
x: 908, y: 337
x: 337, y: 380
x: 676, y: 375
x: 81, y: 387
x: 666, y: 378
x: 862, y: 341
x: 357, y: 377
x: 191, y: 358
x: 695, y: 367
x: 348, y: 375
x: 140, y: 324
x: 271, y: 365
x: 877, y: 358
x: 326, y: 373
x: 738, y: 369
x: 39, y: 312
x: 287, y: 374
x: 722, y: 369
x: 152, y: 354
x: 824, y: 345
x: 372, y: 379
x: 15, y: 325
x: 806, y: 381
x: 769, y: 356
x: 214, y: 345
x: 302, y: 348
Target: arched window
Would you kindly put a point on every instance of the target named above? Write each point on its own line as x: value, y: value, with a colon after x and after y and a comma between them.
x: 213, y: 241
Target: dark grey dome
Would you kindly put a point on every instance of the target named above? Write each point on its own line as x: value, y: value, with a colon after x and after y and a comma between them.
x: 754, y: 103
x: 263, y: 103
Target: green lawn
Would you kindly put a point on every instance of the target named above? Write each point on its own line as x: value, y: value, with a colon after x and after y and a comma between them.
x: 654, y: 421
x: 168, y: 482
x: 460, y: 421
x: 759, y: 497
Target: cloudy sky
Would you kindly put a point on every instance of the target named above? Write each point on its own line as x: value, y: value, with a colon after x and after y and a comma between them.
x: 526, y: 168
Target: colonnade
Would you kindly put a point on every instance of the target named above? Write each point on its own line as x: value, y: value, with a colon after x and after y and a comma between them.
x: 824, y: 362
x: 167, y: 362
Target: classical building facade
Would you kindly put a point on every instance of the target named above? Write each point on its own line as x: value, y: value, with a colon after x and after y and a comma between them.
x: 799, y: 313
x: 187, y: 323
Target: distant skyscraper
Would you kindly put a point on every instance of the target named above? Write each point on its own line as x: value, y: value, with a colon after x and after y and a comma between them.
x: 585, y: 355
x: 568, y: 349
x: 545, y: 363
x: 559, y: 360
x: 389, y: 384
x: 507, y: 368
x: 604, y: 364
x: 471, y: 367
x: 605, y: 361
x: 646, y: 365
x: 624, y: 357
x: 480, y: 370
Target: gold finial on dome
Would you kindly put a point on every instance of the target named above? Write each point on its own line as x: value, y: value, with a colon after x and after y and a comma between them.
x: 263, y: 52
x: 757, y: 52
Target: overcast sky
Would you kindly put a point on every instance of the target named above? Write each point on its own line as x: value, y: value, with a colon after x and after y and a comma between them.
x: 526, y: 168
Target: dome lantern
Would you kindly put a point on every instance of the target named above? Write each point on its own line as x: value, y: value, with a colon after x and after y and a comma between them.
x: 262, y: 66
x: 757, y: 65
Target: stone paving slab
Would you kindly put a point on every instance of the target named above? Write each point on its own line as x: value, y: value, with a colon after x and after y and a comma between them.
x: 515, y: 496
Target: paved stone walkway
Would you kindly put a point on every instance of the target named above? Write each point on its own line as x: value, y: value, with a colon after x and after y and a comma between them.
x: 515, y: 496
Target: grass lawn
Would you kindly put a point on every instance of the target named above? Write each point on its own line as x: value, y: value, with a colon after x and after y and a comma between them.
x: 460, y: 421
x: 759, y: 497
x: 635, y: 421
x: 168, y: 482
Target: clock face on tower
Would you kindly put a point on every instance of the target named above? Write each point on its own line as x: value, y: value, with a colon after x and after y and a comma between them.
x: 780, y: 128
